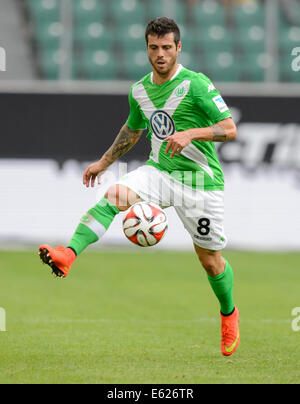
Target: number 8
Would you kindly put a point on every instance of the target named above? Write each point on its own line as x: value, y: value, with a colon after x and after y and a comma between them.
x: 204, y: 228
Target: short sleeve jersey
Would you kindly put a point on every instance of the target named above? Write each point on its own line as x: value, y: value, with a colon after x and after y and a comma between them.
x: 188, y: 100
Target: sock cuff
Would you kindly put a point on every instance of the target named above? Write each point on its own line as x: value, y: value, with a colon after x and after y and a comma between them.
x: 221, y: 275
x: 229, y: 314
x: 83, y: 232
x: 105, y: 202
x: 93, y: 225
x: 103, y: 213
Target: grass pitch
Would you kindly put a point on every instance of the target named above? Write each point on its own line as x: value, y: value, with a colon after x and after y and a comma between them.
x: 146, y: 317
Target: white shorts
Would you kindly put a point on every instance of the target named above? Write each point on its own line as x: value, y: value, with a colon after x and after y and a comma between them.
x: 201, y: 212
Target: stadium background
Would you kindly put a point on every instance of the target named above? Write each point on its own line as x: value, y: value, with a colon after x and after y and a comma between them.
x: 63, y: 98
x: 125, y: 314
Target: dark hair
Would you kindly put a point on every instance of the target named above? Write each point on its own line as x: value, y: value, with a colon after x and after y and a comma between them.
x: 162, y: 26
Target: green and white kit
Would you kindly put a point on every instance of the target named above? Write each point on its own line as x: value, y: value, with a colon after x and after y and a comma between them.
x: 195, y: 177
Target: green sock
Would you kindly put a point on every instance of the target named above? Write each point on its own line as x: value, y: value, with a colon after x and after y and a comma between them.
x: 222, y: 286
x: 93, y: 225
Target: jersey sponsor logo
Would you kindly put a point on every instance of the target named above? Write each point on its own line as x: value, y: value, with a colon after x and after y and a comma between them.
x: 162, y: 124
x: 220, y: 103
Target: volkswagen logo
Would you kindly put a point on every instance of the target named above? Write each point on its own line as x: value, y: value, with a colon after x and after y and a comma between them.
x: 162, y: 124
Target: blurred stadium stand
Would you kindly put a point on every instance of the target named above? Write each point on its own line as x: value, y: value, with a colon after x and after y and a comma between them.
x: 226, y: 39
x: 14, y: 40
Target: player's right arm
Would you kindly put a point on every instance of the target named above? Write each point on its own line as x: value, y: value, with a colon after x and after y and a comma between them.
x: 129, y: 135
x: 125, y: 140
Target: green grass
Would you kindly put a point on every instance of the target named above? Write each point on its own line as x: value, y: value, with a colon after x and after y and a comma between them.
x: 146, y: 317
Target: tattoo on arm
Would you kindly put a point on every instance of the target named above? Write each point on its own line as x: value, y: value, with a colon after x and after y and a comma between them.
x: 125, y: 140
x: 219, y: 133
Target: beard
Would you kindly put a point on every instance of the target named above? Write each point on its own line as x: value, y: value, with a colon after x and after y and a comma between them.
x: 165, y: 69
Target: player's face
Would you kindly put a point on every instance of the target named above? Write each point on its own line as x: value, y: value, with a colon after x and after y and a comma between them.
x: 163, y: 53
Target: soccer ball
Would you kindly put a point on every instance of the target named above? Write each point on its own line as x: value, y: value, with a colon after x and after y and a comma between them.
x: 145, y: 224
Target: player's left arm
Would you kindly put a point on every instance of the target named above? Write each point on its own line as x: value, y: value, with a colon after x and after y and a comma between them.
x: 222, y: 131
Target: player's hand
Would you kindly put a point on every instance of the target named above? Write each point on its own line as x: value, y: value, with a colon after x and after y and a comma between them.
x: 92, y: 172
x: 177, y: 142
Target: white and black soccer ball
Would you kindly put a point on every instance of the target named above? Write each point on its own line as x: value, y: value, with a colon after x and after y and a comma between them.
x: 145, y: 224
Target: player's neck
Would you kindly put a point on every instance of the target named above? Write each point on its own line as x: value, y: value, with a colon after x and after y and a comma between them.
x: 160, y: 79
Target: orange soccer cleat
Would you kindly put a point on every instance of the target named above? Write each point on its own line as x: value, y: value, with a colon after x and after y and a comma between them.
x: 230, y: 333
x: 59, y: 259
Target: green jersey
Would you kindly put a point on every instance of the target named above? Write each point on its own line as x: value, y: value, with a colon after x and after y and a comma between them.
x: 188, y: 100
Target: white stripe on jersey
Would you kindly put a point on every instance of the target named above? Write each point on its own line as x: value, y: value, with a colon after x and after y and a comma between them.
x: 191, y: 152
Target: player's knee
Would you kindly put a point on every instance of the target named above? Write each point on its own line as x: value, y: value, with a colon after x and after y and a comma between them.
x: 117, y: 195
x: 210, y: 264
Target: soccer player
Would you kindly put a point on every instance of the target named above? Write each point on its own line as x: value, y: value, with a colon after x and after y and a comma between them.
x: 184, y: 114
